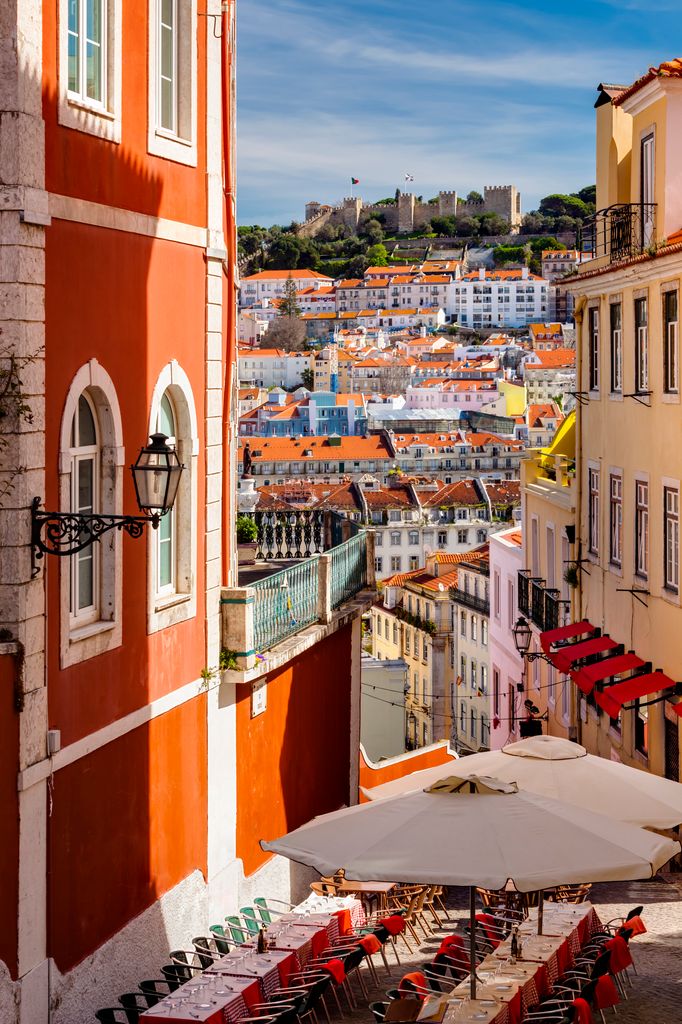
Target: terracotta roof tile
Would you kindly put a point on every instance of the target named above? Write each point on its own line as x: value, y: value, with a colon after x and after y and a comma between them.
x: 668, y: 69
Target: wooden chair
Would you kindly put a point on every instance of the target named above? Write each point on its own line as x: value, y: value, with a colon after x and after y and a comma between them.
x: 324, y: 888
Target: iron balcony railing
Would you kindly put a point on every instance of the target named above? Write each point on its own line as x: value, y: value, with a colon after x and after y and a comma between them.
x: 541, y: 605
x: 285, y: 603
x: 299, y: 534
x: 620, y: 231
x: 478, y: 604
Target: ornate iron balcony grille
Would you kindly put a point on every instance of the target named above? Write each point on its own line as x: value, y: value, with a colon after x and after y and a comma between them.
x: 620, y: 231
x: 479, y: 604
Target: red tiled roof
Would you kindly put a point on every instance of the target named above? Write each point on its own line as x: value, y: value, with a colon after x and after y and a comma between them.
x: 668, y: 69
x: 284, y: 275
x: 504, y: 492
x: 284, y: 449
x: 551, y: 359
x: 462, y: 492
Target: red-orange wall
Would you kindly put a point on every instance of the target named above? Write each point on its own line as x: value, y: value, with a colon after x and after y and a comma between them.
x: 9, y: 807
x: 293, y: 761
x: 133, y: 304
x: 398, y: 769
x: 78, y: 164
x: 128, y: 823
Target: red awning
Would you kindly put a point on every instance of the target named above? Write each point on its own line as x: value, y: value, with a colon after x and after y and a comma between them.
x: 564, y: 657
x: 569, y: 632
x: 585, y: 678
x: 613, y: 698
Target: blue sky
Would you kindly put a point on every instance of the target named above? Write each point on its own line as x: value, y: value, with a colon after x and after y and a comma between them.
x: 458, y: 93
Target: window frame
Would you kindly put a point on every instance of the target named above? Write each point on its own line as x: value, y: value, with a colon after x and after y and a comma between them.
x: 79, y: 455
x: 593, y: 349
x: 178, y: 144
x: 593, y: 509
x: 641, y: 532
x: 671, y: 520
x: 616, y: 346
x: 616, y: 518
x: 101, y: 118
x: 641, y: 303
x: 670, y: 340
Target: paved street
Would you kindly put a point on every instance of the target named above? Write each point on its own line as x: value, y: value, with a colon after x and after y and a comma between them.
x: 657, y: 994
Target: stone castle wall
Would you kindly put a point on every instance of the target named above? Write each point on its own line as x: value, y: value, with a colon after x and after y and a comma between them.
x: 407, y: 214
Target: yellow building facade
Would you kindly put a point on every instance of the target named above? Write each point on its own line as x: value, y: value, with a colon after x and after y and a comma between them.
x: 629, y: 423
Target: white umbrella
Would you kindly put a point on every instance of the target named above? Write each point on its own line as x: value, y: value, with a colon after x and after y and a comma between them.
x: 475, y: 832
x: 557, y: 768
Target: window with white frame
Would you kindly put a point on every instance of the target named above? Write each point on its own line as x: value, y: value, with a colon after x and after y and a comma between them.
x: 484, y: 632
x: 85, y: 461
x: 593, y: 510
x: 484, y: 680
x: 593, y: 347
x: 395, y: 563
x: 485, y: 730
x: 496, y: 690
x: 670, y: 349
x: 671, y: 523
x: 386, y: 628
x: 616, y: 519
x: 378, y: 564
x: 462, y: 536
x: 496, y: 593
x: 473, y: 722
x: 413, y: 537
x: 166, y: 540
x: 395, y: 538
x: 616, y: 337
x: 379, y: 538
x: 641, y: 345
x: 642, y: 528
x: 90, y: 66
x: 395, y: 632
x: 474, y: 628
x: 474, y: 674
x: 463, y: 668
x: 173, y: 79
x: 463, y: 623
x: 462, y: 715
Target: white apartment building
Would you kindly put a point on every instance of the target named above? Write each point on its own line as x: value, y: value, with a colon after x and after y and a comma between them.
x: 506, y: 665
x: 272, y: 367
x: 499, y: 298
x: 453, y: 395
x: 270, y: 284
x: 548, y: 373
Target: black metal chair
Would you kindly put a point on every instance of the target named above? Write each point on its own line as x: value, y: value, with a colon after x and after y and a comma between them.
x: 156, y: 988
x: 117, y: 1015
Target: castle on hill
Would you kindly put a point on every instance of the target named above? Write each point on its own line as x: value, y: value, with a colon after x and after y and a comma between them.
x: 409, y: 214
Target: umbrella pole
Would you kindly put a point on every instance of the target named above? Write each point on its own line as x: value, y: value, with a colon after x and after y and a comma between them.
x: 472, y: 940
x: 541, y: 903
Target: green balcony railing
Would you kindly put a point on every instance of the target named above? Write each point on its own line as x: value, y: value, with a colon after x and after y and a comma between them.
x: 285, y: 603
x: 348, y: 569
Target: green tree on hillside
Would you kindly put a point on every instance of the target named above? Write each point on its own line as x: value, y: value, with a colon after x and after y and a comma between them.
x: 288, y: 305
x: 308, y: 379
x: 377, y: 255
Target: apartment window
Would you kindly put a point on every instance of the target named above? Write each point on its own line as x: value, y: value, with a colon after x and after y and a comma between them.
x: 484, y: 632
x: 395, y: 632
x: 671, y: 513
x: 172, y: 79
x: 616, y: 519
x: 395, y: 563
x: 511, y: 604
x: 485, y: 730
x: 408, y: 633
x: 474, y: 627
x: 512, y: 708
x: 616, y: 347
x: 166, y: 540
x: 641, y: 346
x: 462, y: 536
x: 474, y: 675
x: 378, y: 564
x: 413, y: 537
x: 484, y: 679
x: 473, y: 722
x: 670, y: 352
x: 593, y: 510
x: 86, y: 33
x: 593, y: 347
x: 647, y: 188
x: 463, y: 668
x: 414, y: 562
x: 442, y: 538
x: 641, y: 725
x: 85, y: 458
x: 379, y: 538
x: 462, y: 716
x: 395, y: 538
x: 496, y: 593
x: 386, y: 628
x: 642, y: 528
x: 496, y: 691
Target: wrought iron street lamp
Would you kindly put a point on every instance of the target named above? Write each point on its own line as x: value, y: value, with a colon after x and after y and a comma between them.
x: 522, y: 635
x: 156, y: 476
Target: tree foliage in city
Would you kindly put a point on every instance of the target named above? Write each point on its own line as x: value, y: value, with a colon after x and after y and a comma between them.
x: 308, y: 379
x: 377, y: 255
x: 285, y: 332
x: 288, y: 304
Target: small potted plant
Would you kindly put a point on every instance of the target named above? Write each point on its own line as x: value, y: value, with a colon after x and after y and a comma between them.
x: 572, y: 574
x: 247, y: 535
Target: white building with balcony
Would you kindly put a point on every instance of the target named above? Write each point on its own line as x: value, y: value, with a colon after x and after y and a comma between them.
x: 499, y: 298
x: 506, y: 665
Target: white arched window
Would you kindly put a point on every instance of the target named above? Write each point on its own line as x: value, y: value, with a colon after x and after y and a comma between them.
x: 90, y: 480
x: 85, y: 455
x: 173, y: 547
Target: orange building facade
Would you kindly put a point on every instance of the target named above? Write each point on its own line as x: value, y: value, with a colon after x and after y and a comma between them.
x: 137, y: 772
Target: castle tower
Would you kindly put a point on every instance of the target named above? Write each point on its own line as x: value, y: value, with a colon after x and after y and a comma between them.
x: 406, y: 211
x: 447, y: 204
x: 504, y: 200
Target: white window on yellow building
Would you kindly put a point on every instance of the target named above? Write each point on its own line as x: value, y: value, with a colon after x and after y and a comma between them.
x: 671, y: 512
x: 616, y: 347
x: 671, y: 382
x: 641, y: 345
x: 593, y: 510
x: 616, y: 519
x: 593, y: 347
x: 642, y: 528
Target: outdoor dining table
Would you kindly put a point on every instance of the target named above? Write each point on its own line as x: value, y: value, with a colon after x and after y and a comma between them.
x: 380, y: 890
x: 227, y: 989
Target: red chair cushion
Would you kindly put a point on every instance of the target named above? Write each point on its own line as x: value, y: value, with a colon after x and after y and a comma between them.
x: 453, y: 947
x: 583, y: 1013
x: 620, y: 954
x: 394, y: 924
x: 415, y: 981
x: 636, y: 925
x: 606, y: 993
x: 490, y: 929
x: 336, y: 969
x: 370, y: 944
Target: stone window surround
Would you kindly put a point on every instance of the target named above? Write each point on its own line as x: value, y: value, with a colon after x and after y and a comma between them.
x: 80, y: 643
x: 169, y: 609
x: 102, y: 120
x: 181, y: 146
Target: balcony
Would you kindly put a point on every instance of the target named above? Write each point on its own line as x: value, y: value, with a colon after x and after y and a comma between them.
x: 311, y: 568
x: 541, y: 605
x: 477, y: 604
x: 619, y: 232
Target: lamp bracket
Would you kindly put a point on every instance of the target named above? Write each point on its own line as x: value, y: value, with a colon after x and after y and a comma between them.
x: 639, y: 593
x: 67, y: 533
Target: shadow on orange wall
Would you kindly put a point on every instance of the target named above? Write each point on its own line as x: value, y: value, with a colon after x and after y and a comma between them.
x: 376, y: 774
x: 9, y: 847
x: 293, y: 761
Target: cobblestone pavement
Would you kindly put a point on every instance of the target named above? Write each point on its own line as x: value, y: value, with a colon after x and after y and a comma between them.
x: 656, y: 997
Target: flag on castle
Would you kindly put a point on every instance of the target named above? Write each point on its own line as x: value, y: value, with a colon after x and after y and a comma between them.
x: 355, y: 181
x: 409, y: 177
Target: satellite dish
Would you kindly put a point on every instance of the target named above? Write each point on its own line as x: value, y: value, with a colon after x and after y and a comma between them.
x: 441, y: 587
